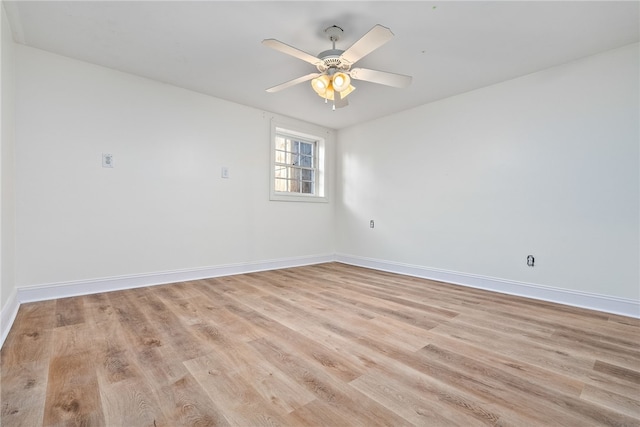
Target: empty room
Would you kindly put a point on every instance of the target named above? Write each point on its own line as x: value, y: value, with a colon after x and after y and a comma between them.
x: 357, y: 213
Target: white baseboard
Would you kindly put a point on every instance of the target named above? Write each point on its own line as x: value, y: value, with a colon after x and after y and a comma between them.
x: 8, y: 315
x: 86, y: 287
x: 608, y: 304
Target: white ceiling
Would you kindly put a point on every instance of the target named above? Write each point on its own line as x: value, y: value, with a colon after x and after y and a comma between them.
x: 213, y: 47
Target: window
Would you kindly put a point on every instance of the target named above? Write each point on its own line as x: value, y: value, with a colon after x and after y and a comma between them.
x: 297, y: 166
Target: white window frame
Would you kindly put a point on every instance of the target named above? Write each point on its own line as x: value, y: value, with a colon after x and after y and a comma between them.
x: 293, y: 131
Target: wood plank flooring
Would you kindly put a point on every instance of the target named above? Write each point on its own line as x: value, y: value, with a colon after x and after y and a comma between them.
x: 323, y: 345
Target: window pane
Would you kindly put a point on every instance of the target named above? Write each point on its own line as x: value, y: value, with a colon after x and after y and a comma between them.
x: 280, y: 143
x: 307, y: 188
x: 281, y: 185
x: 281, y: 156
x: 306, y: 161
x: 295, y: 173
x: 280, y: 172
x: 306, y: 148
x: 307, y: 175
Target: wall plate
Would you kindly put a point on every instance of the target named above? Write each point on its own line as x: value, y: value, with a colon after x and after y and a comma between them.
x: 107, y: 160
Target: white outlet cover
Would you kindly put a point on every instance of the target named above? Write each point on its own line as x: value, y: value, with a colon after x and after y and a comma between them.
x: 224, y: 172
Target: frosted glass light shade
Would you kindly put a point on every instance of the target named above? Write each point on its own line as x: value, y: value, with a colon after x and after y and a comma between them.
x: 341, y: 81
x: 321, y: 84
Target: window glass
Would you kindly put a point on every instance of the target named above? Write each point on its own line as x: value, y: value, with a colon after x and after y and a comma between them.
x: 298, y: 166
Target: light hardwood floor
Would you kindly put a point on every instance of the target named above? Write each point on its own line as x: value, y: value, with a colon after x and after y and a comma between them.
x: 330, y: 344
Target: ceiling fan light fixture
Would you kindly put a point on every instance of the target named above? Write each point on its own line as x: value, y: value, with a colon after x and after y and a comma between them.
x: 341, y: 81
x: 321, y: 84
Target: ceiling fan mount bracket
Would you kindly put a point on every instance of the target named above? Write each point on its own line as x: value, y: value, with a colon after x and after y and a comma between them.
x: 334, y: 33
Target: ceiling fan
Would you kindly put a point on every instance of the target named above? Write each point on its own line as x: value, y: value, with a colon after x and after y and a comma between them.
x: 333, y: 79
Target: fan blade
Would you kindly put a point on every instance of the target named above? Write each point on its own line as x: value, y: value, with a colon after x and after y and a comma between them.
x: 380, y: 77
x: 376, y: 37
x: 340, y: 102
x: 293, y: 82
x: 290, y: 50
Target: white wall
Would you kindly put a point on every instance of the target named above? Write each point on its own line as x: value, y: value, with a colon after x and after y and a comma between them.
x: 164, y: 207
x: 546, y: 164
x: 7, y: 201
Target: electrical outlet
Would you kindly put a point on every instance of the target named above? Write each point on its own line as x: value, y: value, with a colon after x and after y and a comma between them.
x: 225, y: 172
x: 371, y: 224
x: 530, y: 260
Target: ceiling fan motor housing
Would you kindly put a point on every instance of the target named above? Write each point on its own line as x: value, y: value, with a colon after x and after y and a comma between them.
x: 331, y: 61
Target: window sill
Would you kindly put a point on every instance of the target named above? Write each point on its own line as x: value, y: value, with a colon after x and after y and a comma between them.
x: 286, y: 197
